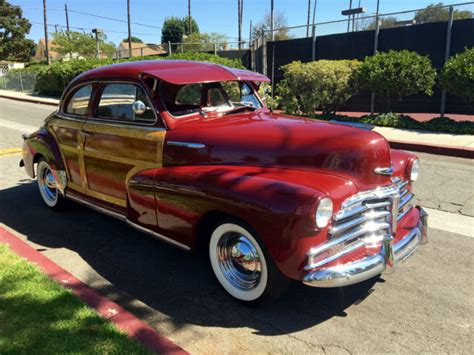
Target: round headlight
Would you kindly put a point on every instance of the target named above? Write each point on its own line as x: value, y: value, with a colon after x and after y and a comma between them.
x: 415, y: 170
x: 324, y: 212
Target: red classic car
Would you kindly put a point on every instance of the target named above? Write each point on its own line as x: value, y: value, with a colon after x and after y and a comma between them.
x: 189, y: 153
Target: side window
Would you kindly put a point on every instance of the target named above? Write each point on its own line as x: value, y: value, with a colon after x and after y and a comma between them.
x: 116, y: 103
x: 189, y: 95
x: 78, y: 103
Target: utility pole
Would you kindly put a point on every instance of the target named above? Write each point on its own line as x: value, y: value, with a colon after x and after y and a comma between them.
x: 67, y: 18
x: 272, y: 20
x: 309, y: 15
x: 239, y: 22
x: 97, y: 32
x: 189, y: 17
x: 129, y: 30
x: 56, y: 28
x: 46, y: 44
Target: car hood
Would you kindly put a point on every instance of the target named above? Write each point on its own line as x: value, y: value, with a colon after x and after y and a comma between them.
x: 268, y: 139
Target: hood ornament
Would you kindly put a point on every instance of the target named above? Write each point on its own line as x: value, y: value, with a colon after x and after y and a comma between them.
x: 384, y: 170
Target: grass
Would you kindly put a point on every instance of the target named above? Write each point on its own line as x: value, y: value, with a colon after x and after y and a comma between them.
x: 38, y: 316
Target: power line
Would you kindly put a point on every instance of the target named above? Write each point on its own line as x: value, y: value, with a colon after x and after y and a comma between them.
x: 90, y: 29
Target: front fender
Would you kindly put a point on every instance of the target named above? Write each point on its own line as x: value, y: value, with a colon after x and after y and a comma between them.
x: 277, y: 203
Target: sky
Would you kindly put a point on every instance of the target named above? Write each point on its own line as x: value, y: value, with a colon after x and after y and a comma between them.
x: 211, y: 15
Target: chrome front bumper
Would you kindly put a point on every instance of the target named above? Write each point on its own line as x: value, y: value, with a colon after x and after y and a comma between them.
x: 364, y: 269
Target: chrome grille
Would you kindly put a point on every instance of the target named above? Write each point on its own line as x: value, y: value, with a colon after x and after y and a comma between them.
x: 405, y: 197
x: 363, y: 220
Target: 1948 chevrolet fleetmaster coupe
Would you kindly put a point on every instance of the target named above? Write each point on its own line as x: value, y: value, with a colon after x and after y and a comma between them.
x: 189, y: 153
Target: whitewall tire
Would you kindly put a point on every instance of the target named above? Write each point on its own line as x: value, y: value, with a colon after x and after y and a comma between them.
x: 47, y: 186
x: 241, y: 265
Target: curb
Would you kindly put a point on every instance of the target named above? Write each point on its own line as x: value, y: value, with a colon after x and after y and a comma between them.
x: 122, y: 319
x: 467, y: 153
x: 30, y: 100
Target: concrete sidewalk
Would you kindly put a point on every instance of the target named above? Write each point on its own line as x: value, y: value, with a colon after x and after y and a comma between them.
x: 420, y: 141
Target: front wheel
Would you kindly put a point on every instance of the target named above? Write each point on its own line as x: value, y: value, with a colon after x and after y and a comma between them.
x: 48, y: 186
x: 241, y: 265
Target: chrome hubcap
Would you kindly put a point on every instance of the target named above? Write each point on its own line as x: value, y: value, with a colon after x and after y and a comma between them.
x: 48, y: 184
x: 239, y: 261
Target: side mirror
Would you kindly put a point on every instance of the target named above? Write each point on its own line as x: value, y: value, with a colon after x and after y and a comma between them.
x: 139, y: 107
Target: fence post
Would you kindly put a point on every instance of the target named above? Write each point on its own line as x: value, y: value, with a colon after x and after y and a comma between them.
x: 264, y: 53
x: 376, y: 46
x: 169, y: 48
x: 21, y: 83
x: 313, y: 43
x: 447, y: 53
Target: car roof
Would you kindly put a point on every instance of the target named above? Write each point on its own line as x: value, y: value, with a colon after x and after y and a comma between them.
x: 177, y: 72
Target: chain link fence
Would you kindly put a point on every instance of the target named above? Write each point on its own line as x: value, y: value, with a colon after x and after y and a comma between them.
x: 18, y: 81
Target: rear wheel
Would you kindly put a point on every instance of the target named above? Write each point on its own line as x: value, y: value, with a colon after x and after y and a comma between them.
x: 48, y: 186
x: 242, y: 266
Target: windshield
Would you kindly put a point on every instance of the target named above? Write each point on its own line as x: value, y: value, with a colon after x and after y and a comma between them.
x: 221, y: 97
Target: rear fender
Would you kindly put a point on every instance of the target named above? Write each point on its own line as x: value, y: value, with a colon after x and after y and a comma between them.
x: 41, y: 144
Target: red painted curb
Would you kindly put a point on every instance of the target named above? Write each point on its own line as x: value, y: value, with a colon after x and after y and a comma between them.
x: 30, y: 100
x: 467, y: 153
x: 122, y: 319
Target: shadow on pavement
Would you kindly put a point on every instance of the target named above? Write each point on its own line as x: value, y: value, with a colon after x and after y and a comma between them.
x: 178, y: 286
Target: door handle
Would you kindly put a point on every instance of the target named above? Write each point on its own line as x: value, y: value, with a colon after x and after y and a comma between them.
x: 86, y: 133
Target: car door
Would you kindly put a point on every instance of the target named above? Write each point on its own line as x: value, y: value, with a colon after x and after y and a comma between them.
x: 66, y: 128
x: 119, y: 142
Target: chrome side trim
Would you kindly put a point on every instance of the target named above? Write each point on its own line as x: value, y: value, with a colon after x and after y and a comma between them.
x: 384, y: 170
x: 186, y: 144
x: 158, y: 236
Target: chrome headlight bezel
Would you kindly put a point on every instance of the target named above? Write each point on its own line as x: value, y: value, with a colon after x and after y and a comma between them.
x: 324, y: 212
x: 414, y: 170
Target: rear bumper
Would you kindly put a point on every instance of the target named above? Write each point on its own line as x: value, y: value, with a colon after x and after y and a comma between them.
x: 364, y: 269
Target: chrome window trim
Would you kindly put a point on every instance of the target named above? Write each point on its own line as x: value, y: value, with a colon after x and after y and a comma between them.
x: 139, y: 84
x: 70, y: 94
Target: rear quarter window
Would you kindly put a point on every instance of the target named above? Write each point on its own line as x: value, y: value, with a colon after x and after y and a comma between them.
x: 79, y: 101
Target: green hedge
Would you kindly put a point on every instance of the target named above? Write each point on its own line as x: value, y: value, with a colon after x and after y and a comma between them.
x: 457, y: 76
x: 51, y: 80
x: 437, y: 124
x: 325, y: 84
x: 395, y: 74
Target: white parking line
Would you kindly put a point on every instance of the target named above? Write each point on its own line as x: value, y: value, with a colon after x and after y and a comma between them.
x: 451, y: 222
x: 17, y: 126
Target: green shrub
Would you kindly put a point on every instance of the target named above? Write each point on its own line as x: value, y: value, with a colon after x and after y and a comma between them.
x: 325, y: 84
x: 457, y: 76
x: 395, y: 74
x: 51, y: 80
x: 437, y: 124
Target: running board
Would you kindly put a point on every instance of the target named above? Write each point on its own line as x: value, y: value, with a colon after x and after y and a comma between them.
x: 123, y: 218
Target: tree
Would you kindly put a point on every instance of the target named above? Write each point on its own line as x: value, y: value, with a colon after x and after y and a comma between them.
x: 174, y: 28
x: 279, y: 24
x: 13, y: 29
x: 76, y: 43
x: 385, y: 22
x: 133, y: 38
x: 204, y: 42
x: 395, y: 74
x: 457, y: 75
x: 433, y: 13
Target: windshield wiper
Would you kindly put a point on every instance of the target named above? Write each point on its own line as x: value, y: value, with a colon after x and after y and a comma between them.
x: 239, y: 109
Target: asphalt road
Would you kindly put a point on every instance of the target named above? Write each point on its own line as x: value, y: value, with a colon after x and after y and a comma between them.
x: 426, y: 306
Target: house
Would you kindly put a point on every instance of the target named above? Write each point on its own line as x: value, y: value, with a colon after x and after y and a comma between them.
x: 53, y: 54
x: 138, y: 50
